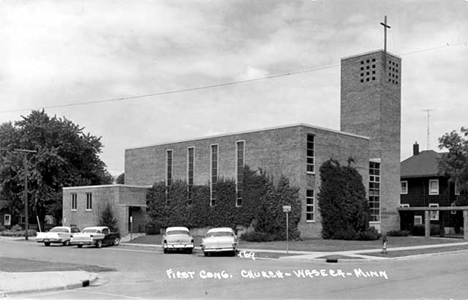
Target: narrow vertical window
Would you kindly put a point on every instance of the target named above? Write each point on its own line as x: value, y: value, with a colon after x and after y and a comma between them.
x: 374, y: 191
x: 310, y: 206
x: 457, y: 188
x: 214, y: 173
x: 74, y: 201
x: 434, y: 214
x: 404, y: 187
x: 240, y: 150
x: 310, y: 154
x: 168, y: 174
x: 190, y: 168
x: 434, y: 187
x: 89, y: 201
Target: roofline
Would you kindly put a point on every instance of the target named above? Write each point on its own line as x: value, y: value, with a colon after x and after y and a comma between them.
x: 106, y: 186
x: 370, y: 52
x: 253, y: 131
x: 421, y: 176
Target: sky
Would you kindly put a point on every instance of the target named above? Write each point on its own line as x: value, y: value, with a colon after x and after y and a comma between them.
x: 139, y: 73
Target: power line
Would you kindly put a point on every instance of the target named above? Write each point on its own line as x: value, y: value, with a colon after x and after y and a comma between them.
x: 178, y: 91
x: 217, y: 85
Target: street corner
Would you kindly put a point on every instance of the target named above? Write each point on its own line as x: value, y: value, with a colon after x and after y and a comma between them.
x: 18, y: 283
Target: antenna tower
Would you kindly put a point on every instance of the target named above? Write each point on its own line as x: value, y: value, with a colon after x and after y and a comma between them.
x: 428, y: 131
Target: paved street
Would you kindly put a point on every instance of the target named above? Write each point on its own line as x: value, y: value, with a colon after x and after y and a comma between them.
x: 147, y: 273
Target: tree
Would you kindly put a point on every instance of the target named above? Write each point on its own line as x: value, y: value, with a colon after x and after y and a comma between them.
x: 107, y: 218
x: 120, y: 179
x: 65, y: 156
x: 342, y: 201
x: 455, y: 163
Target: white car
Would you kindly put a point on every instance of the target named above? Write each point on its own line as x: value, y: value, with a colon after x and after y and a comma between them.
x: 59, y: 234
x: 177, y: 238
x: 222, y: 239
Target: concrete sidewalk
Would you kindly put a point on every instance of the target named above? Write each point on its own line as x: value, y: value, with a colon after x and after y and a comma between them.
x: 34, y: 282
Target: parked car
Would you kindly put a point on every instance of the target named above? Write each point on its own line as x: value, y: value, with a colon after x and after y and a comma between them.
x: 59, y: 234
x: 97, y: 236
x: 222, y: 239
x: 177, y: 238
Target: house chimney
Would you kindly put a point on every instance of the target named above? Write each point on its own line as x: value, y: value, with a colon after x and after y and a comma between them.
x: 415, y: 148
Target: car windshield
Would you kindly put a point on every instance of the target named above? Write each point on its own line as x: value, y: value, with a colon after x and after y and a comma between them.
x: 174, y: 232
x: 219, y: 233
x: 59, y: 229
x: 90, y: 231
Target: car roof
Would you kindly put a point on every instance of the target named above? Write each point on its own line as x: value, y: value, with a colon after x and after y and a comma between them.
x: 96, y: 227
x: 221, y: 229
x: 177, y: 228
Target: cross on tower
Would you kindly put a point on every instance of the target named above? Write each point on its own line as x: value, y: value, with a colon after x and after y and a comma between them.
x: 384, y: 24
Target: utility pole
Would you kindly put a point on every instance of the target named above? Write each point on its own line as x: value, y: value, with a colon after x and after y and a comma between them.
x: 428, y: 132
x: 26, y: 203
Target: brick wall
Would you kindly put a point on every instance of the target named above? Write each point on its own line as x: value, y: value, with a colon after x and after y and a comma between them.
x: 277, y: 151
x: 119, y: 196
x: 371, y: 106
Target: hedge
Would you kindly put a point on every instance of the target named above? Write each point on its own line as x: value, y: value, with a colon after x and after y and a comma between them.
x: 261, y: 206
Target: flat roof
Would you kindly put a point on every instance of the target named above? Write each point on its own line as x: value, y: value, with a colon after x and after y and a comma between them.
x: 370, y: 52
x: 106, y: 185
x: 254, y: 131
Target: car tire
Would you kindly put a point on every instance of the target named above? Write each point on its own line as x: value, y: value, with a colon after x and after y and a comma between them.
x: 116, y: 241
x: 99, y: 244
x: 189, y: 251
x: 47, y: 244
x: 165, y: 250
x: 79, y: 246
x: 66, y: 243
x: 206, y: 253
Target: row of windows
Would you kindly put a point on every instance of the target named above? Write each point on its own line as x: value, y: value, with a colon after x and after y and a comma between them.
x: 433, y: 187
x: 89, y: 201
x: 214, y: 172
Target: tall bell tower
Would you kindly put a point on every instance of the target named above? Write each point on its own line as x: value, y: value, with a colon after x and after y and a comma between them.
x: 371, y: 106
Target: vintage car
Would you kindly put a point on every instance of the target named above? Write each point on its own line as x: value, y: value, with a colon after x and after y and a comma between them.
x: 97, y: 235
x: 177, y: 238
x: 59, y: 234
x: 221, y: 239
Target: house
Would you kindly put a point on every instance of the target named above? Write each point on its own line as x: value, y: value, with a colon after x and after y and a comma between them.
x: 422, y: 185
x: 369, y: 134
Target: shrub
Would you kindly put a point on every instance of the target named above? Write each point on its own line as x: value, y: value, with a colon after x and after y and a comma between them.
x: 262, y: 204
x: 152, y: 229
x: 255, y: 236
x: 342, y: 202
x: 370, y: 234
x: 107, y: 218
x: 16, y: 227
x: 420, y: 230
x: 398, y: 233
x: 19, y: 233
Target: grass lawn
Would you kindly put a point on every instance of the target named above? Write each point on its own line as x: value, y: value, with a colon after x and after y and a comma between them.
x: 8, y: 264
x: 321, y: 244
x: 401, y: 253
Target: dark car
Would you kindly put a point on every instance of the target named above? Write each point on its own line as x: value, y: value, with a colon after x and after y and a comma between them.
x: 97, y: 235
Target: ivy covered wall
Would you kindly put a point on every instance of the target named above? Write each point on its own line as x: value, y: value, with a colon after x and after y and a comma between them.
x: 261, y: 206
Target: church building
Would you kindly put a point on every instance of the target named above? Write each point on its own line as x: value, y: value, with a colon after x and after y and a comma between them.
x: 369, y: 134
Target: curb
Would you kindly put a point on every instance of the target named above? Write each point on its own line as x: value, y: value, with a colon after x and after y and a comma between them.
x: 84, y: 283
